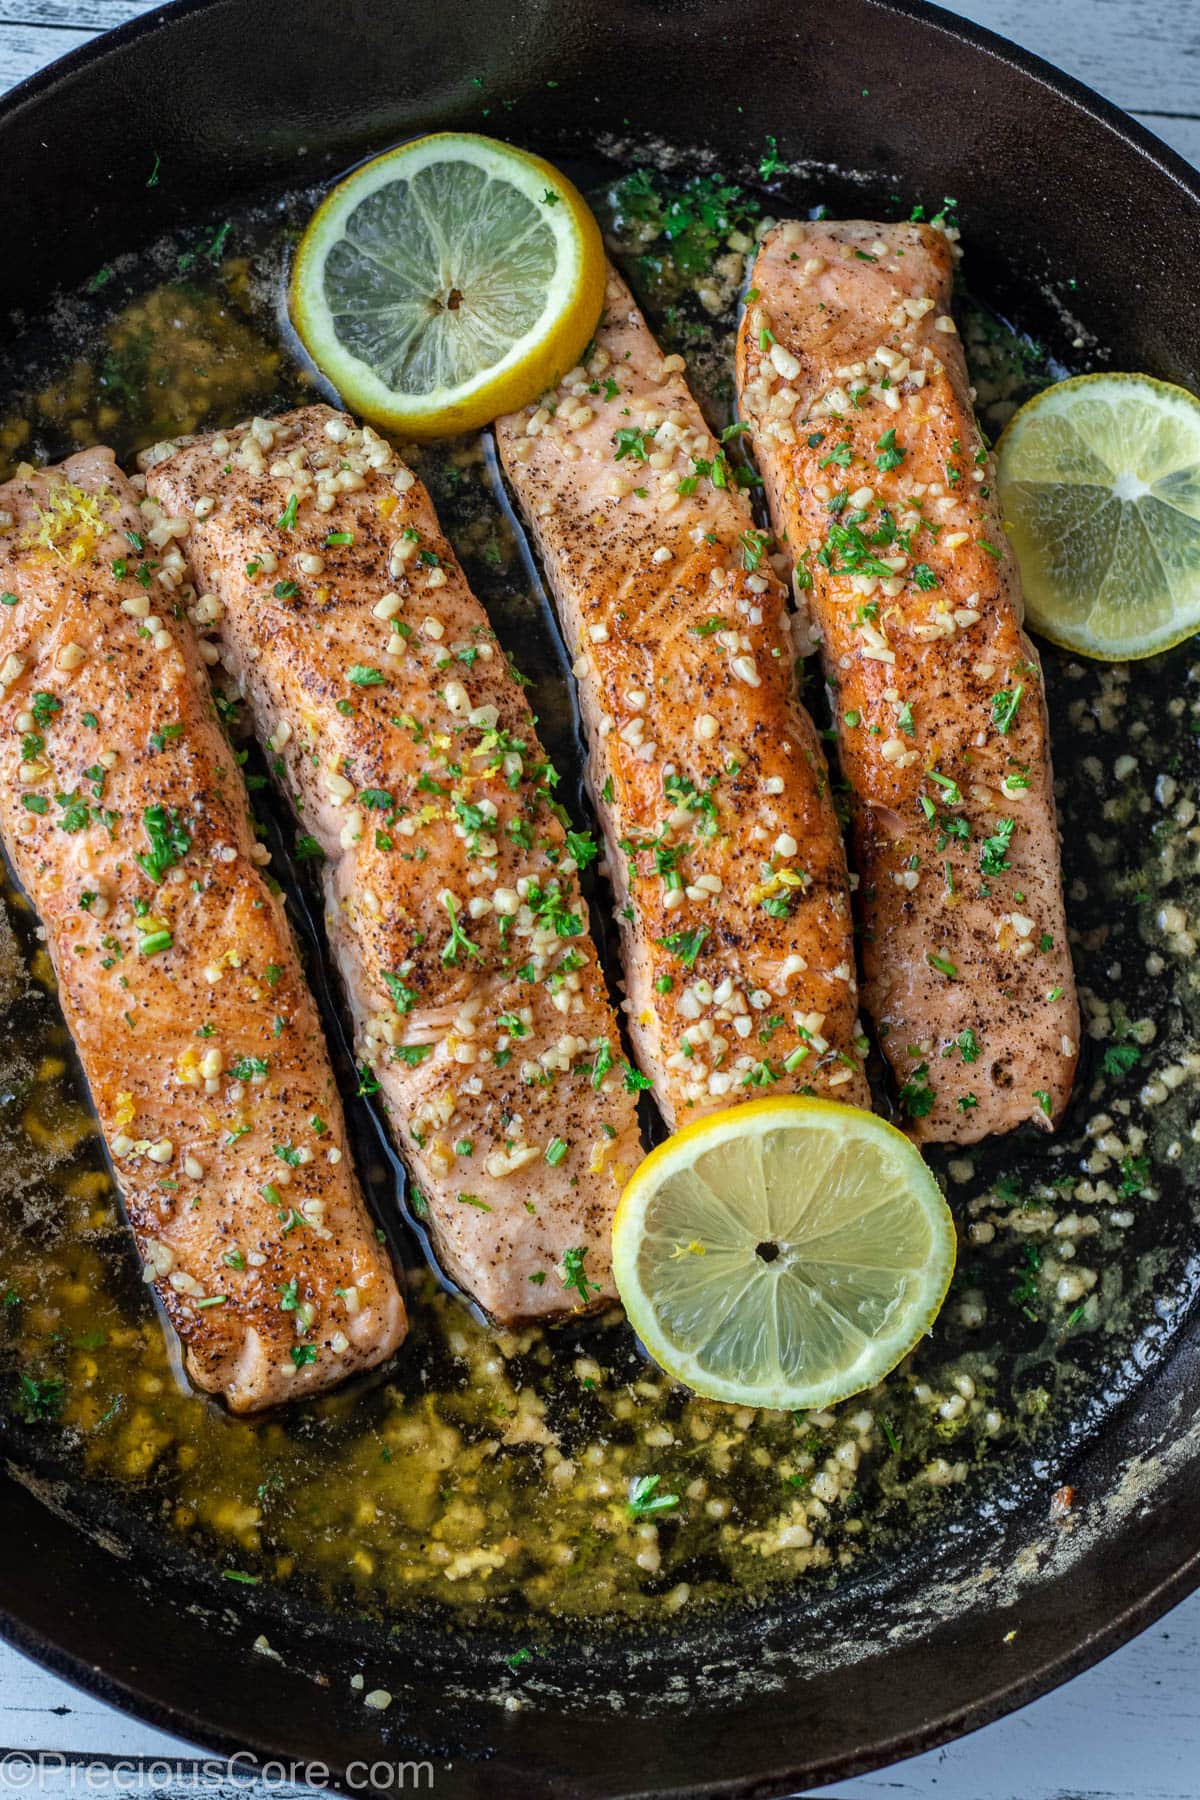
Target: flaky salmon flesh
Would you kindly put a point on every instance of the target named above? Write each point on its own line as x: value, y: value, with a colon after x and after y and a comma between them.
x: 723, y: 847
x: 852, y: 379
x: 127, y: 823
x: 404, y: 740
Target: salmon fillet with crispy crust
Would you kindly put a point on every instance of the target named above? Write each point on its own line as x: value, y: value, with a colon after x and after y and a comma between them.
x: 128, y: 826
x: 451, y: 879
x: 852, y: 377
x: 723, y: 846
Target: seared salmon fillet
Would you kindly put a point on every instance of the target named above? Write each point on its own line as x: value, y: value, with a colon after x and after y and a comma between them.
x: 451, y: 881
x: 852, y: 378
x: 127, y: 824
x: 722, y: 843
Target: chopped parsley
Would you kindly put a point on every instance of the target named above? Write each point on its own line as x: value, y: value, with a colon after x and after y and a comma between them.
x: 753, y: 546
x: 771, y: 161
x: 694, y: 217
x: 574, y: 1275
x: 403, y: 998
x: 949, y: 787
x: 1120, y: 1059
x: 993, y: 852
x: 685, y: 945
x: 602, y: 1064
x: 169, y: 841
x: 916, y: 1095
x: 583, y: 847
x: 1004, y: 707
x: 891, y: 455
x: 40, y: 1400
x: 1026, y: 1289
x: 458, y: 939
x: 847, y: 542
x: 645, y: 1500
x: 630, y: 441
x: 247, y: 1067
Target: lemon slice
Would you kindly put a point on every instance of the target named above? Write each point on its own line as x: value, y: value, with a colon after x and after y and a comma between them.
x: 446, y: 282
x: 1100, y: 487
x: 784, y: 1253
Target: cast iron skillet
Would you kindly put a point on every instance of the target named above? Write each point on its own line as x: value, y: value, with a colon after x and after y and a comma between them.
x: 986, y: 1611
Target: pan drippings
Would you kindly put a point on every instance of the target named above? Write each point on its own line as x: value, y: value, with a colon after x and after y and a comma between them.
x: 490, y: 1473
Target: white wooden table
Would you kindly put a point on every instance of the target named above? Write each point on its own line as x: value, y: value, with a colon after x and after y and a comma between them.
x: 1128, y: 1730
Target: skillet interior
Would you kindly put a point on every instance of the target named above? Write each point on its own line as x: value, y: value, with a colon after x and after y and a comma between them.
x: 235, y: 99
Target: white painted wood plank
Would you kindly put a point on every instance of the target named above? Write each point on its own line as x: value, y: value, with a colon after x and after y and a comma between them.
x: 1129, y: 1730
x: 1126, y: 1730
x: 36, y: 32
x: 24, y: 49
x: 1182, y: 134
x: 62, y: 25
x: 88, y: 15
x: 57, y: 1743
x: 38, y: 1711
x: 1144, y: 54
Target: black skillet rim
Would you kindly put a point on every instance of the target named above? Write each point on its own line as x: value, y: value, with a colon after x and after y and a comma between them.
x: 1091, y: 1645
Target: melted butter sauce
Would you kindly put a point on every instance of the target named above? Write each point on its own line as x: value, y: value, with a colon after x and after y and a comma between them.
x: 487, y: 1474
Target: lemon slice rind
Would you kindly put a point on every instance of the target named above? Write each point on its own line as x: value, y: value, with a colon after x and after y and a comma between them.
x: 382, y: 254
x: 1100, y: 488
x: 860, y: 1241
